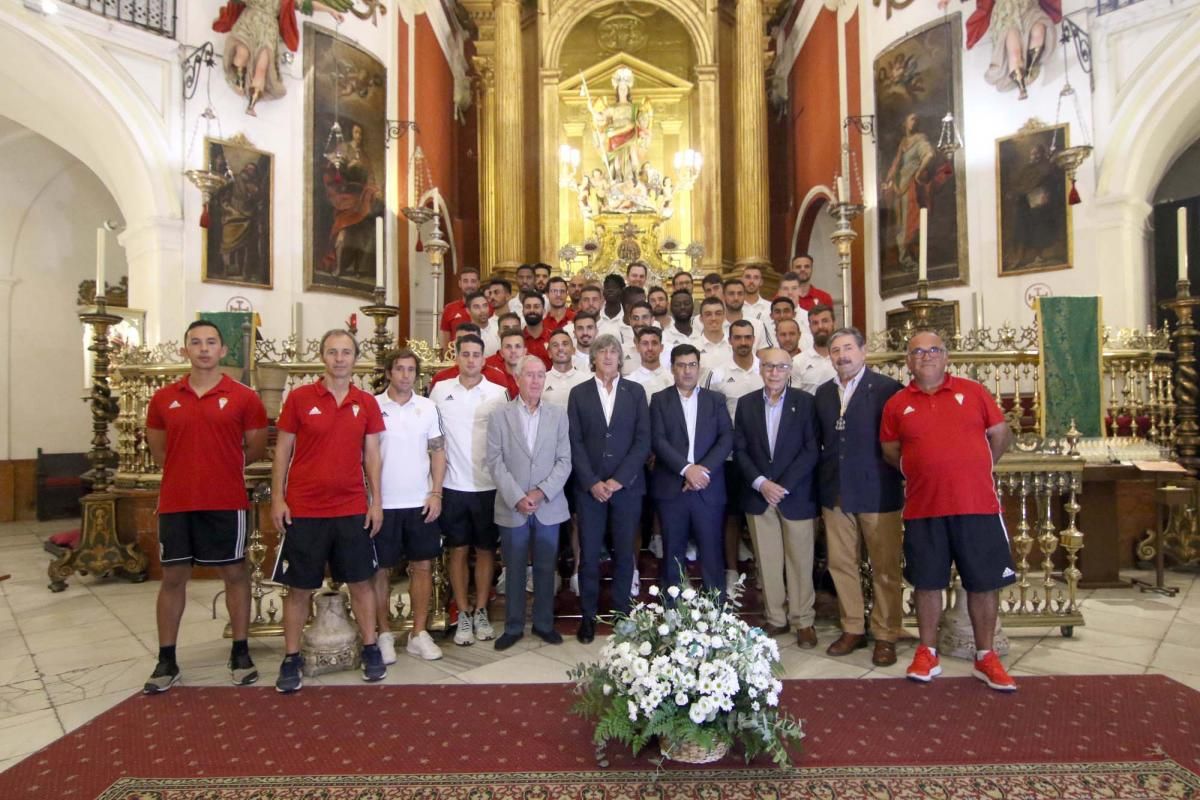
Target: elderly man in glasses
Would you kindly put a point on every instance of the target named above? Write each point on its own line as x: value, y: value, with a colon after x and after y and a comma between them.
x: 775, y: 447
x: 945, y: 433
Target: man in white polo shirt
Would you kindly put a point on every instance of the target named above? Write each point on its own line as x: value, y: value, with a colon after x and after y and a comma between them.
x: 584, y: 330
x: 468, y: 506
x: 712, y: 342
x: 813, y: 367
x: 639, y: 317
x: 563, y: 374
x: 650, y: 372
x: 755, y: 306
x: 414, y: 466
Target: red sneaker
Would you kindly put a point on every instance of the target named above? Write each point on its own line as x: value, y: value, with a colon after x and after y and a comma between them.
x: 989, y: 670
x: 925, y: 665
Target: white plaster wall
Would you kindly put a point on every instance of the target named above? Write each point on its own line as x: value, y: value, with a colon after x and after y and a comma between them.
x: 49, y: 212
x: 1110, y: 227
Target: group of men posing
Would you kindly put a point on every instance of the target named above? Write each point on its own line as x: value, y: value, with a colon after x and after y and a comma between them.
x: 703, y: 427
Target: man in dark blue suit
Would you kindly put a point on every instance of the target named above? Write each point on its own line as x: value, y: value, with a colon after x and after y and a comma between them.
x: 775, y: 445
x: 610, y: 442
x: 861, y: 495
x: 692, y: 437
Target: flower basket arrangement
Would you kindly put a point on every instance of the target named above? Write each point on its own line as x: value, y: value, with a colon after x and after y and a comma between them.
x: 688, y: 671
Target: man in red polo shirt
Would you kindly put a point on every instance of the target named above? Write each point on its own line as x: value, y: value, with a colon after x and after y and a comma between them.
x: 945, y: 433
x: 537, y: 333
x: 328, y: 440
x: 456, y: 310
x: 195, y: 429
x: 809, y: 295
x: 512, y: 350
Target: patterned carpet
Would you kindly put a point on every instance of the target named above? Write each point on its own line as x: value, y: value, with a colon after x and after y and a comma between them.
x: 1063, y: 737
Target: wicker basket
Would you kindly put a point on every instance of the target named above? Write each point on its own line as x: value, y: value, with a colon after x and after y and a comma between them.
x: 688, y: 753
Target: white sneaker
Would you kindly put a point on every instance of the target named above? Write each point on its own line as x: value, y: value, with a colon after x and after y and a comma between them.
x: 635, y: 586
x: 655, y: 546
x: 744, y: 552
x: 422, y: 646
x: 575, y: 584
x: 483, y: 626
x: 502, y: 583
x: 464, y: 636
x: 691, y: 552
x: 529, y: 579
x: 387, y: 647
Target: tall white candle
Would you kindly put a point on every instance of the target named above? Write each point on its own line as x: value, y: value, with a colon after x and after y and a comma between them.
x: 1181, y: 217
x: 100, y: 242
x: 296, y: 320
x: 922, y: 268
x: 977, y: 305
x: 842, y: 196
x: 380, y: 272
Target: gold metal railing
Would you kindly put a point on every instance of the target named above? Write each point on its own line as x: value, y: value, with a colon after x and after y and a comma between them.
x: 1137, y: 372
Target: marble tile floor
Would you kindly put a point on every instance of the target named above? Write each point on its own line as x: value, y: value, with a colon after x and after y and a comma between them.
x: 66, y: 658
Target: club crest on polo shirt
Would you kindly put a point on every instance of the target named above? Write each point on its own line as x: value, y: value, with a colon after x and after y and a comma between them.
x: 174, y: 404
x: 314, y: 411
x: 908, y: 410
x: 959, y: 397
x: 222, y: 402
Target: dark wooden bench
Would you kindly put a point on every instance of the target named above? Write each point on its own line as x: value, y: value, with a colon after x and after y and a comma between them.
x: 60, y: 484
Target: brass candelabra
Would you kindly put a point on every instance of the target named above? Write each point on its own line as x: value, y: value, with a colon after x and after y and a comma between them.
x: 99, y: 550
x: 922, y: 305
x: 843, y: 238
x: 1187, y: 433
x: 381, y: 312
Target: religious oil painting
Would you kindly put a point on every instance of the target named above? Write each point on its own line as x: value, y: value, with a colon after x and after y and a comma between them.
x: 237, y: 241
x: 918, y: 85
x: 345, y: 165
x: 1034, y: 217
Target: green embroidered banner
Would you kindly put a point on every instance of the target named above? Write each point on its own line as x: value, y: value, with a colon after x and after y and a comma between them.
x: 1069, y: 339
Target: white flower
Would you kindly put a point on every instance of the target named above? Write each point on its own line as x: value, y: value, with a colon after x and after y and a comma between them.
x: 756, y: 706
x: 689, y: 593
x: 695, y: 615
x: 607, y: 689
x: 633, y: 709
x: 717, y: 641
x: 681, y: 699
x: 697, y: 713
x: 664, y: 629
x: 653, y: 590
x: 644, y: 649
x: 673, y: 591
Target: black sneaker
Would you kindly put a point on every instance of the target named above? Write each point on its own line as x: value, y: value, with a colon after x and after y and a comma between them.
x: 242, y: 670
x: 372, y: 663
x: 164, y: 677
x: 291, y: 675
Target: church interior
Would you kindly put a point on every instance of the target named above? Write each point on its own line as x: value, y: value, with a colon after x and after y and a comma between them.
x: 1022, y: 176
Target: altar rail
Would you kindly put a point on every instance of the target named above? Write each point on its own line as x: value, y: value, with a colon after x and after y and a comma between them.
x: 1137, y: 368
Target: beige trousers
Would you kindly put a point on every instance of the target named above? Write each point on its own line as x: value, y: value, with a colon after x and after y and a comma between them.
x: 784, y: 548
x: 883, y: 534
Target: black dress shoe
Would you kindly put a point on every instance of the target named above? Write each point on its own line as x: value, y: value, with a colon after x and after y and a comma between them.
x: 549, y: 637
x: 587, y: 631
x: 507, y: 640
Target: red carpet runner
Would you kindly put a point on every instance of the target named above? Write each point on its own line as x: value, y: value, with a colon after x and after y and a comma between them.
x: 1111, y: 736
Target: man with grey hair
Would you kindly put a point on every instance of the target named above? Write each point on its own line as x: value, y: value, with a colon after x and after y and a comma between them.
x: 861, y: 496
x: 610, y: 442
x: 529, y: 457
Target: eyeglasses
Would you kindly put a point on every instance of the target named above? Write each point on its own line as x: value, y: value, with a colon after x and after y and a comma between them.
x: 776, y: 367
x: 927, y: 352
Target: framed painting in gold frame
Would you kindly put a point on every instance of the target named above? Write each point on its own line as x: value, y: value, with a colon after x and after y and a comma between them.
x: 237, y: 242
x: 1033, y: 217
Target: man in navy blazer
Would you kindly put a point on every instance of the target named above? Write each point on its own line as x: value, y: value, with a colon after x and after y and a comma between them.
x: 861, y: 495
x: 610, y: 442
x: 775, y: 445
x: 692, y: 438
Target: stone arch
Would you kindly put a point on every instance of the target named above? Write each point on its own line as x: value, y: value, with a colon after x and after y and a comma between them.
x: 564, y: 19
x: 72, y: 96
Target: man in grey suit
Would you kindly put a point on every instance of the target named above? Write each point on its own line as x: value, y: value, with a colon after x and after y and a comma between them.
x: 529, y: 457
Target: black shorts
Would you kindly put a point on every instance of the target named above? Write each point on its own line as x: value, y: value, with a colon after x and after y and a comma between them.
x: 976, y: 543
x: 469, y: 518
x: 212, y: 538
x: 310, y: 543
x: 406, y: 535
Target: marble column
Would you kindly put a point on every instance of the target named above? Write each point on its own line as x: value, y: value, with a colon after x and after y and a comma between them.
x: 752, y: 199
x: 485, y: 93
x: 509, y: 139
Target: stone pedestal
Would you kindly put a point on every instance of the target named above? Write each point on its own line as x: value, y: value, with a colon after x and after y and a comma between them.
x: 955, y: 637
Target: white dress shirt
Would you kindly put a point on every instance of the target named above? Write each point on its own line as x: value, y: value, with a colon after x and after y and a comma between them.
x: 846, y: 393
x: 608, y: 399
x: 810, y: 369
x: 691, y: 406
x: 774, y: 413
x: 529, y: 422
